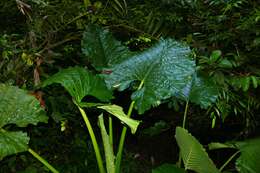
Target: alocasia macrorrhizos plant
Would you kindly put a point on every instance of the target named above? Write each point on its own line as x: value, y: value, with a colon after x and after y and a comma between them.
x: 19, y: 108
x: 165, y: 70
x: 80, y: 82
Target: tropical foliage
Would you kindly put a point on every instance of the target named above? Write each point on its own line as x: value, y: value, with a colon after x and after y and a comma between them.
x: 76, y: 75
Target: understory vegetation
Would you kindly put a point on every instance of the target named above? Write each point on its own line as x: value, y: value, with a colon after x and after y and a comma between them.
x: 129, y: 86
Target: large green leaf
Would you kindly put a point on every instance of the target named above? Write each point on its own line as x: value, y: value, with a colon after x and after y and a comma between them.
x: 79, y: 83
x: 193, y: 154
x: 200, y: 90
x: 168, y: 168
x: 118, y: 112
x: 164, y: 70
x: 248, y: 162
x: 12, y: 142
x: 101, y: 48
x: 18, y: 107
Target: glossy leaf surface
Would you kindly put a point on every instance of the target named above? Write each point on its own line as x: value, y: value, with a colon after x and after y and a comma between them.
x: 200, y: 90
x: 79, y: 83
x: 193, y: 154
x: 101, y: 48
x: 164, y: 70
x: 18, y: 107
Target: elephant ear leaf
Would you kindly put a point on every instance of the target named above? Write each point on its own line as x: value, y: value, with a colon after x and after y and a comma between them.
x: 193, y: 154
x: 163, y: 69
x: 79, y: 83
x: 248, y: 162
x: 19, y: 108
x: 200, y: 90
x: 101, y: 48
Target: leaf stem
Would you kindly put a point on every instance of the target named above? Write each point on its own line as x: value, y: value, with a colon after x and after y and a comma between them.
x: 123, y: 134
x: 229, y: 160
x: 110, y: 130
x: 94, y: 141
x: 185, y: 114
x: 43, y: 161
x: 183, y: 126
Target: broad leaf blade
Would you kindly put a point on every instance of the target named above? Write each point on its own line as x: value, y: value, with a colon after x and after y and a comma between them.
x: 168, y: 168
x: 164, y: 69
x: 118, y: 112
x: 101, y: 48
x: 193, y: 154
x: 200, y: 90
x: 248, y: 162
x: 80, y: 83
x: 18, y: 107
x: 12, y: 142
x: 109, y: 153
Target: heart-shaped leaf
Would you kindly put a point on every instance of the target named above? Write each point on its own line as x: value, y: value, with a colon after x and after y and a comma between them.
x: 118, y: 112
x: 164, y: 70
x: 101, y: 48
x: 79, y: 83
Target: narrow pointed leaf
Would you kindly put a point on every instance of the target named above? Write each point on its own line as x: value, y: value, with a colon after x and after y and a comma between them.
x: 12, y: 143
x: 79, y: 83
x: 109, y: 153
x: 18, y: 107
x: 118, y: 112
x: 193, y: 154
x: 164, y: 69
x: 101, y: 48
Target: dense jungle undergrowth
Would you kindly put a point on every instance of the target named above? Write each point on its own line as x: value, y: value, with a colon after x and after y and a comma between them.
x: 129, y: 86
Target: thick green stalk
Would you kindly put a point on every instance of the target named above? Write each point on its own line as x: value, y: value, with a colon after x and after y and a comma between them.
x: 94, y: 141
x: 110, y: 130
x: 43, y: 161
x: 185, y: 114
x: 123, y: 134
x: 183, y: 126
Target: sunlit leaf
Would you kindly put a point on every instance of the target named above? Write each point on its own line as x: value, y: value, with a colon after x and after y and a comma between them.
x: 193, y: 154
x: 118, y: 112
x: 79, y: 83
